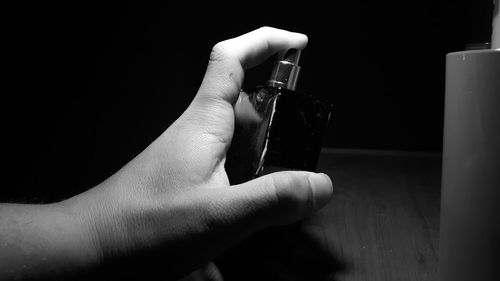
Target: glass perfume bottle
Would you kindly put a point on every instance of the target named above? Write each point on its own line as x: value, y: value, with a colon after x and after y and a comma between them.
x: 277, y: 127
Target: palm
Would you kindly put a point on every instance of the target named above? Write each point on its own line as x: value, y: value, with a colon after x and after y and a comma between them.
x: 202, y: 149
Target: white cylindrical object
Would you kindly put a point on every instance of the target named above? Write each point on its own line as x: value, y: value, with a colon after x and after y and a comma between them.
x: 470, y: 203
x: 495, y: 35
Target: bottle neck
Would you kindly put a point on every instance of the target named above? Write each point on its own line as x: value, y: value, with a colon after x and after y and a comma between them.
x: 278, y: 85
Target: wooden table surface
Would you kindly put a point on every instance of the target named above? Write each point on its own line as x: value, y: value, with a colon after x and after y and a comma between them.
x: 382, y: 223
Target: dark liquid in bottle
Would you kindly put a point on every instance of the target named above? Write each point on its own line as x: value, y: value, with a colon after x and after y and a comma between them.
x: 275, y: 127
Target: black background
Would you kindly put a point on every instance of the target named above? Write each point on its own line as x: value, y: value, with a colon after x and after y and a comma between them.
x: 87, y: 86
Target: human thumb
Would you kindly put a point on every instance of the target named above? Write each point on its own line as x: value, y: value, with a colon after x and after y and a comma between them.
x: 274, y: 199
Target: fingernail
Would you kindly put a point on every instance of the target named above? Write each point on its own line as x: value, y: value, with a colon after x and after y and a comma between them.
x: 322, y: 189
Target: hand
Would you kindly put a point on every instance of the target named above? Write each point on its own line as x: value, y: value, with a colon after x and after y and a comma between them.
x: 173, y: 205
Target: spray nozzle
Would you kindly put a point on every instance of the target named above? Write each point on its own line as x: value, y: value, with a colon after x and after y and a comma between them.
x: 286, y: 70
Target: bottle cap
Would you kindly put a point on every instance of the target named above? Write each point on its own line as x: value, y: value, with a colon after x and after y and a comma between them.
x: 286, y: 70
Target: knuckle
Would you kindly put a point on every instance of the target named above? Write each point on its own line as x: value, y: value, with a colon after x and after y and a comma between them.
x: 293, y: 192
x: 219, y: 52
x: 266, y: 28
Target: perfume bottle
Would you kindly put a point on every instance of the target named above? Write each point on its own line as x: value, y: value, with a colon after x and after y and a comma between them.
x: 277, y: 127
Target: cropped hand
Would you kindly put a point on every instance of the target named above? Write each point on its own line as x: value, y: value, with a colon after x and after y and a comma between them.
x: 172, y: 209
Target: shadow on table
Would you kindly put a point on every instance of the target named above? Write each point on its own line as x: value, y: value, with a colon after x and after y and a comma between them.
x: 290, y: 253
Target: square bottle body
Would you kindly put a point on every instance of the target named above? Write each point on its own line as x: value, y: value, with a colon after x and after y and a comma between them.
x: 276, y: 128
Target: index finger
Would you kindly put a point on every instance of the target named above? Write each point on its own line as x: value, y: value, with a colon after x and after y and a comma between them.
x: 254, y: 47
x: 230, y: 58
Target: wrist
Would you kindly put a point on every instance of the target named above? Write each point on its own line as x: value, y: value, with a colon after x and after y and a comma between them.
x: 102, y: 216
x: 46, y: 241
x: 85, y: 243
x: 114, y: 229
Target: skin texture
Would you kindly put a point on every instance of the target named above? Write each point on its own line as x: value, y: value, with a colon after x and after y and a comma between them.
x: 171, y: 209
